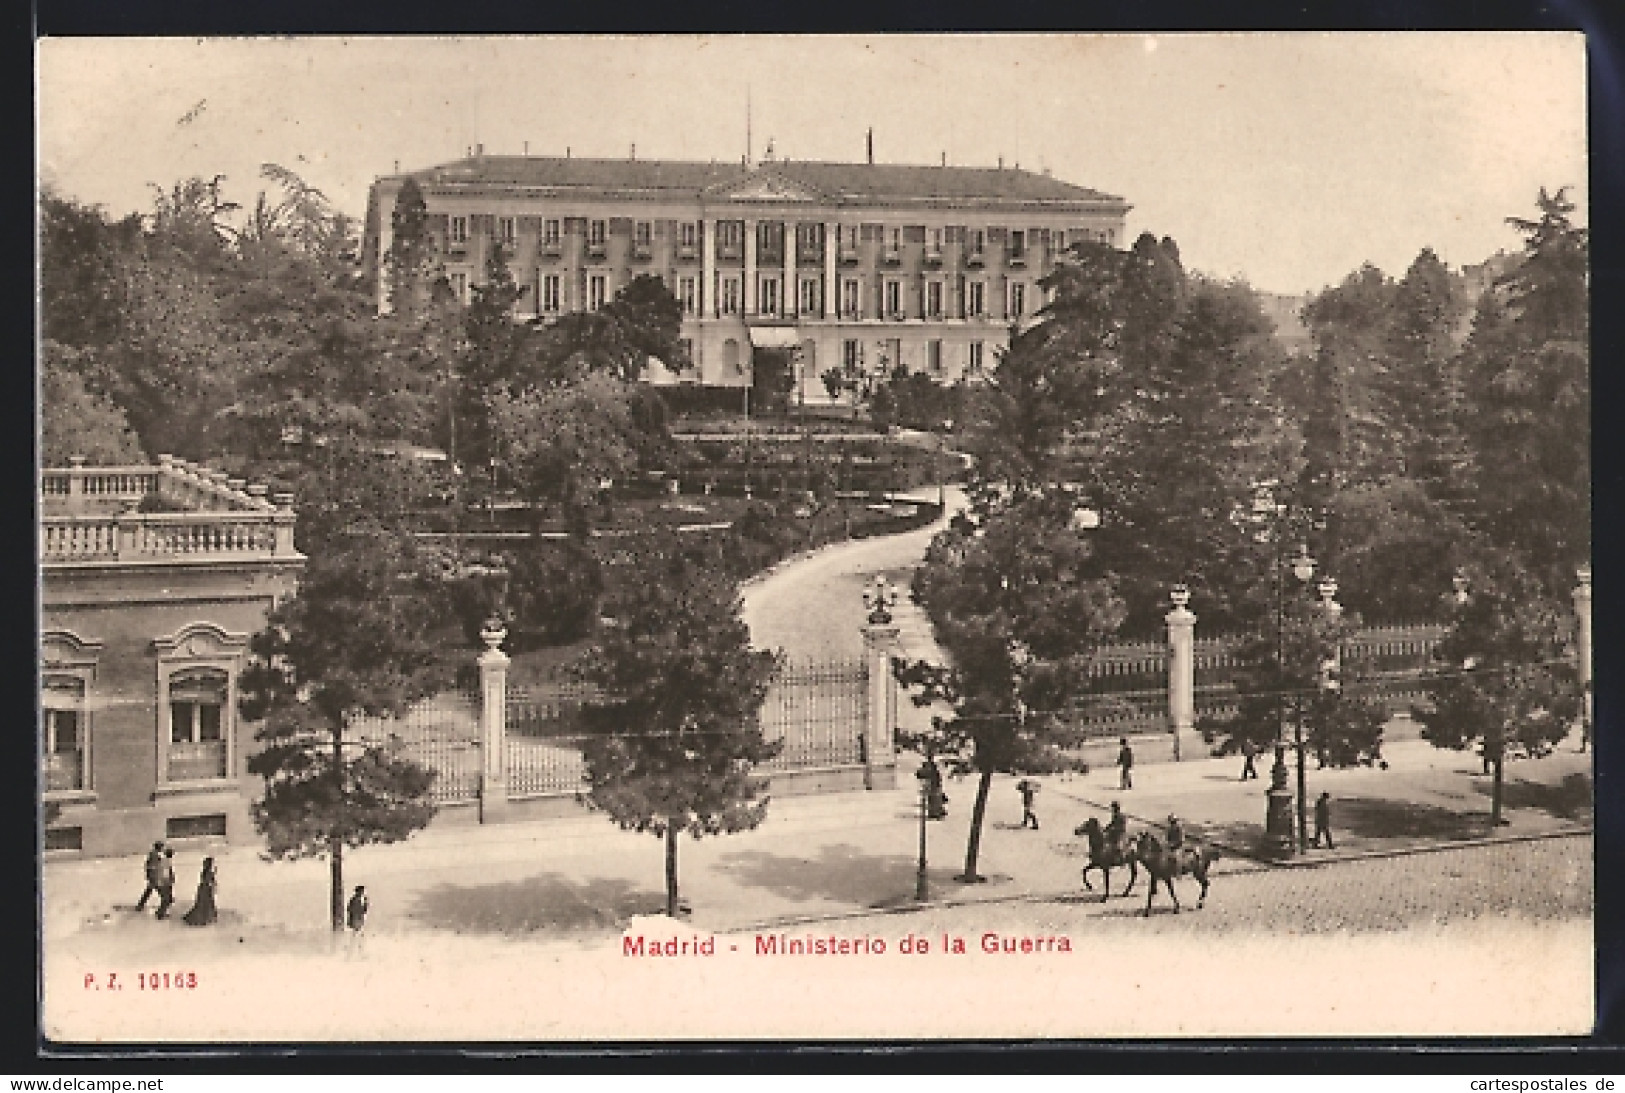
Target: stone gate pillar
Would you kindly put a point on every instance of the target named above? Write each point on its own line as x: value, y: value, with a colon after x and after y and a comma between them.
x: 880, y: 641
x: 1181, y: 666
x: 493, y: 724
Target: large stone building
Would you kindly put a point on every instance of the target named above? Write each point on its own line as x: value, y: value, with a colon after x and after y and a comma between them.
x: 154, y: 579
x: 857, y: 264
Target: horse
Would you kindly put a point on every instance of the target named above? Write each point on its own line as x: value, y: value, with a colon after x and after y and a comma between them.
x: 1164, y: 865
x: 1104, y: 856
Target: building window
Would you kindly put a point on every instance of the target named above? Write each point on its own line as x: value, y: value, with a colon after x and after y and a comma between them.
x: 505, y: 230
x: 595, y: 233
x: 811, y: 296
x: 459, y: 287
x: 643, y: 233
x: 974, y: 363
x: 850, y: 236
x: 1018, y: 300
x: 975, y: 299
x: 209, y: 826
x: 933, y: 299
x: 978, y: 241
x: 686, y: 294
x: 597, y: 291
x: 936, y: 240
x: 728, y: 297
x: 687, y: 234
x: 67, y: 732
x: 767, y: 298
x: 851, y: 299
x: 550, y: 233
x: 1018, y: 244
x: 197, y: 724
x: 729, y: 233
x: 894, y: 239
x: 459, y: 230
x: 894, y: 299
x: 550, y: 292
x: 933, y: 355
x: 852, y: 354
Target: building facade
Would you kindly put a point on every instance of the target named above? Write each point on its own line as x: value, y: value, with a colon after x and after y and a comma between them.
x: 153, y: 580
x: 855, y: 265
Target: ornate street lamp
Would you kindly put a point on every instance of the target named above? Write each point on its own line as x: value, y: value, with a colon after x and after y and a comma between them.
x: 880, y: 599
x: 927, y: 775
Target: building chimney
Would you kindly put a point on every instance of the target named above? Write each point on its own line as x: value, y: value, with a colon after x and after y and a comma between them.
x: 566, y: 151
x: 945, y: 159
x: 1001, y: 163
x: 527, y: 148
x: 634, y: 151
x: 397, y: 166
x: 479, y: 150
x: 870, y: 144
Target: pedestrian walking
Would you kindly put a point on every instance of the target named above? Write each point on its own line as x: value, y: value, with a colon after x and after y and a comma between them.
x: 204, y: 910
x: 1249, y: 752
x: 1323, y: 821
x: 355, y: 917
x: 166, y: 883
x: 153, y: 869
x: 1125, y: 764
x: 1029, y: 790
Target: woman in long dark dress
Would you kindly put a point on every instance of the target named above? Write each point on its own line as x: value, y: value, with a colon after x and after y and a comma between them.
x: 203, y: 910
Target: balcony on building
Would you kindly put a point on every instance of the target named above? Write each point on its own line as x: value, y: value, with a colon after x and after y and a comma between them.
x: 642, y: 252
x: 170, y: 512
x: 550, y: 248
x: 975, y: 258
x: 597, y: 250
x: 687, y: 252
x: 848, y: 255
x: 933, y: 256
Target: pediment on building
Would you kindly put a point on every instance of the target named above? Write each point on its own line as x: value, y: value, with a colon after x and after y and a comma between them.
x: 765, y: 185
x: 64, y: 648
x: 201, y: 639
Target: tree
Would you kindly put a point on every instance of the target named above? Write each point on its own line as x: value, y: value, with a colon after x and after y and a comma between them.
x: 677, y: 742
x: 559, y: 443
x: 74, y: 420
x: 1015, y: 609
x: 1289, y: 677
x: 1502, y: 675
x: 355, y: 640
x: 412, y: 266
x: 1527, y: 376
x: 773, y: 378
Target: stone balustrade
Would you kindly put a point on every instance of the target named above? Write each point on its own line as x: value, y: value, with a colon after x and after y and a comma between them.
x: 84, y: 489
x: 90, y: 515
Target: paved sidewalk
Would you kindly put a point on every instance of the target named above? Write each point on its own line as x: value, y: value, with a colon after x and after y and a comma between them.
x: 815, y: 858
x: 1428, y: 798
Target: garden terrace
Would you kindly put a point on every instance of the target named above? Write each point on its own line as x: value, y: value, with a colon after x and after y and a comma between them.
x: 171, y: 511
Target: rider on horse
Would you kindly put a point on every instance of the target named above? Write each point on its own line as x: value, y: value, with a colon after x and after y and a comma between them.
x: 1176, y: 833
x: 1116, y: 827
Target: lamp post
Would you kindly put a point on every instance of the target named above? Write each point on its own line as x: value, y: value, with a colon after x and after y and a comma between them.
x: 1582, y: 639
x: 922, y: 883
x: 1267, y: 519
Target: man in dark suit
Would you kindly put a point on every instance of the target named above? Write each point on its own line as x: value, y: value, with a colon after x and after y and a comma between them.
x: 166, y: 883
x: 153, y: 868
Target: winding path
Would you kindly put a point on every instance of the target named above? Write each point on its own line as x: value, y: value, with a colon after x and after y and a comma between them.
x: 811, y: 607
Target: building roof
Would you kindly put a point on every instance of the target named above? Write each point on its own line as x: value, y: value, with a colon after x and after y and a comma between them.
x: 839, y: 182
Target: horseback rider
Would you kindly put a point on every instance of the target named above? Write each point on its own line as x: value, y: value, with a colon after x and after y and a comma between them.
x: 1176, y: 833
x: 1116, y: 827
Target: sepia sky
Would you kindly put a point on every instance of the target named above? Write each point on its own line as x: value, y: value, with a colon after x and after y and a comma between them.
x: 1287, y: 159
